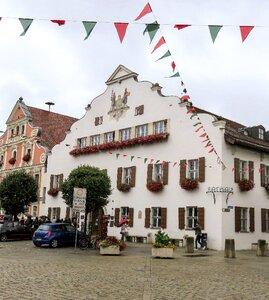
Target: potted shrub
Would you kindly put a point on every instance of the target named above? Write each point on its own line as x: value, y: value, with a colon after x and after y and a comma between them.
x: 163, y: 246
x: 111, y: 246
x: 124, y: 187
x: 12, y: 160
x: 246, y: 185
x: 26, y: 157
x: 155, y: 186
x: 189, y: 184
x: 53, y: 192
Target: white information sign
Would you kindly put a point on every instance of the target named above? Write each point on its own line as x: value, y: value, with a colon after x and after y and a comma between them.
x: 79, y: 199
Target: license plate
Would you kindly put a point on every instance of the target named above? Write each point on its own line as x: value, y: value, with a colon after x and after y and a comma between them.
x: 38, y: 239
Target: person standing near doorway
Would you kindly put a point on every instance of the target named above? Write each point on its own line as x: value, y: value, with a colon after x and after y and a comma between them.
x: 198, y: 235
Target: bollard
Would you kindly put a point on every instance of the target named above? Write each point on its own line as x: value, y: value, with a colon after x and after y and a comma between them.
x: 261, y: 248
x: 229, y: 248
x: 189, y: 244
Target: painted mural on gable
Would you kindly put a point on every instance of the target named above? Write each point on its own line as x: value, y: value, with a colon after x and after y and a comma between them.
x: 119, y: 104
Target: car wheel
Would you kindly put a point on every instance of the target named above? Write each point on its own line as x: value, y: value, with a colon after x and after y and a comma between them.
x: 54, y: 243
x: 37, y: 244
x: 3, y: 237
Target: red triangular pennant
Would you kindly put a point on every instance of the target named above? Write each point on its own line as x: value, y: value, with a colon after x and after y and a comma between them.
x: 121, y: 29
x: 173, y: 65
x: 147, y: 9
x: 181, y: 26
x: 161, y: 42
x: 245, y: 30
x: 59, y: 22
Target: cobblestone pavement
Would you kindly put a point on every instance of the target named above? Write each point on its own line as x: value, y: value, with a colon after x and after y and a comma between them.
x: 28, y: 272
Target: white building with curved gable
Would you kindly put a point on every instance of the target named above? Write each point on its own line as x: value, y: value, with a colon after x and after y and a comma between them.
x: 162, y: 174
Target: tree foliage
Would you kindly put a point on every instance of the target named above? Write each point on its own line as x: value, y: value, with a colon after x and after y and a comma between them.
x: 94, y: 180
x: 17, y: 191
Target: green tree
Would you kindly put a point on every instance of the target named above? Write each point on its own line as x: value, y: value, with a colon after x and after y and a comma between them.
x: 17, y: 191
x: 94, y: 180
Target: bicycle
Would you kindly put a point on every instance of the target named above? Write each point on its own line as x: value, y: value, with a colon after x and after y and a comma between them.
x: 85, y: 242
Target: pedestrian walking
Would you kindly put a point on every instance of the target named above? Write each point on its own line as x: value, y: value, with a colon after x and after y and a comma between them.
x: 198, y: 235
x: 124, y: 230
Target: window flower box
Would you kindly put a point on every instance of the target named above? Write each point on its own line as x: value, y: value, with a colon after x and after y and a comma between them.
x: 189, y: 184
x: 111, y: 246
x: 163, y: 246
x: 12, y: 160
x: 246, y: 185
x: 124, y: 187
x: 155, y: 186
x: 53, y: 192
x: 26, y: 157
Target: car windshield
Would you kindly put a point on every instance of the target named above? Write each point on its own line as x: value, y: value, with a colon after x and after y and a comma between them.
x: 44, y: 227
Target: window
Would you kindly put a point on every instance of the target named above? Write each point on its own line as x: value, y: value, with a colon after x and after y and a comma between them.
x: 109, y: 137
x: 193, y: 169
x: 261, y: 134
x: 157, y: 172
x: 156, y: 217
x: 244, y: 219
x: 95, y: 140
x: 124, y: 212
x: 34, y: 210
x: 14, y: 155
x: 125, y: 134
x: 98, y: 121
x: 139, y: 110
x: 126, y: 175
x: 266, y: 175
x: 191, y: 217
x: 37, y: 179
x: 12, y: 133
x: 44, y: 195
x: 82, y: 142
x: 243, y: 168
x: 2, y: 158
x: 22, y: 129
x: 17, y: 130
x: 70, y: 228
x: 28, y: 152
x: 160, y: 126
x: 141, y: 130
x: 56, y: 182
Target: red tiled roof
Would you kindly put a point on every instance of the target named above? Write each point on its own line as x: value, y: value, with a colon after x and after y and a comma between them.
x: 53, y: 126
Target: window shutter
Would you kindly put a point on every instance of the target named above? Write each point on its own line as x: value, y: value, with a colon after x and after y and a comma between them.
x: 165, y: 172
x: 147, y: 217
x: 163, y: 217
x: 201, y: 217
x: 133, y: 175
x: 236, y: 171
x: 201, y: 169
x: 119, y: 178
x: 61, y: 181
x: 251, y: 219
x: 51, y: 181
x: 117, y: 216
x: 181, y: 217
x: 251, y: 170
x: 49, y: 213
x: 262, y: 171
x: 131, y: 217
x: 96, y: 121
x: 67, y: 212
x: 263, y: 218
x: 141, y: 109
x: 237, y: 214
x: 183, y: 164
x: 149, y: 173
x: 58, y: 213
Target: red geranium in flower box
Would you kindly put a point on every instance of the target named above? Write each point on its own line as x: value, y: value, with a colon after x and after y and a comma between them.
x: 12, y: 160
x: 246, y: 185
x: 53, y: 192
x: 155, y: 186
x: 124, y: 187
x: 189, y: 184
x: 26, y: 157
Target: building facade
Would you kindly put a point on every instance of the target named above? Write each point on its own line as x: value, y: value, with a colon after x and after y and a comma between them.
x: 30, y: 134
x: 161, y: 173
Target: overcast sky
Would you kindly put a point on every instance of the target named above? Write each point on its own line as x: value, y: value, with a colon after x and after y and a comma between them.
x: 55, y: 63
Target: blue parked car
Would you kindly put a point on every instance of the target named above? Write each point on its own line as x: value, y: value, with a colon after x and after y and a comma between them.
x: 54, y: 235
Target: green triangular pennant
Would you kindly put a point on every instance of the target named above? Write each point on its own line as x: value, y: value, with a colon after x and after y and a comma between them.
x: 214, y: 30
x: 152, y: 29
x: 88, y: 27
x: 175, y: 75
x: 117, y: 155
x: 145, y: 160
x: 26, y: 23
x: 165, y: 55
x: 193, y: 115
x: 132, y: 157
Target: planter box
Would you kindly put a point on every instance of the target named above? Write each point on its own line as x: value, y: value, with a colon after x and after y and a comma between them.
x: 163, y: 252
x: 111, y: 250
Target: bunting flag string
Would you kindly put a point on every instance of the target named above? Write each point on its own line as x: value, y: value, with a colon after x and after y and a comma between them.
x: 121, y: 29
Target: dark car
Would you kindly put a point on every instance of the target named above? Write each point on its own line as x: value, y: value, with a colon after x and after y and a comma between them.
x: 54, y: 235
x: 15, y: 231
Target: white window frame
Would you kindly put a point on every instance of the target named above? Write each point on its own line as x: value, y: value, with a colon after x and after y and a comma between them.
x: 157, y: 173
x: 261, y: 134
x: 56, y: 181
x: 125, y: 134
x: 141, y: 130
x: 124, y: 212
x: 193, y: 169
x: 243, y: 165
x: 95, y: 140
x: 156, y: 217
x: 244, y: 219
x: 160, y: 127
x: 127, y: 175
x: 109, y: 137
x: 191, y: 216
x: 82, y: 142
